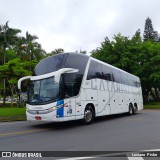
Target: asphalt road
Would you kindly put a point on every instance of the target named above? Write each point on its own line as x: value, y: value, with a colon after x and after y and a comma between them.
x: 110, y: 133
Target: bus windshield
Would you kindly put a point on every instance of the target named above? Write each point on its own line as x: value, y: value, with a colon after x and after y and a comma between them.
x: 43, y: 91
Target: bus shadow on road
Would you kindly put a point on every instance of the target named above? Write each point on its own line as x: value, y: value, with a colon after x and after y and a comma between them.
x: 58, y: 125
x: 114, y: 117
x: 78, y: 123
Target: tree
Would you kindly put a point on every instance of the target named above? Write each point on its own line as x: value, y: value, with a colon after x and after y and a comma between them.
x: 149, y: 33
x: 56, y: 51
x: 29, y: 49
x: 134, y: 56
x: 114, y: 52
x: 105, y: 52
x: 13, y: 46
x: 15, y: 69
x: 8, y: 38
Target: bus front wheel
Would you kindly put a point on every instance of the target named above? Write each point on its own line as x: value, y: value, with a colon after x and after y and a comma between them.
x: 88, y: 115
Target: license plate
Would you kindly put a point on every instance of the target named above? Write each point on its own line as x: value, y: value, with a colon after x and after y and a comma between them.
x: 38, y: 118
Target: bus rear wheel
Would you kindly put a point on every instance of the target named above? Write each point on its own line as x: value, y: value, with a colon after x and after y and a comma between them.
x: 88, y: 115
x: 131, y: 110
x: 135, y: 108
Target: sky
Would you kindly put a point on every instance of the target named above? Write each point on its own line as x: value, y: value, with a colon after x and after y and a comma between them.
x: 76, y: 25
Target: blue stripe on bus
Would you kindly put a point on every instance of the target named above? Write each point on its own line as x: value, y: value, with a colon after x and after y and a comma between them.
x: 60, y: 111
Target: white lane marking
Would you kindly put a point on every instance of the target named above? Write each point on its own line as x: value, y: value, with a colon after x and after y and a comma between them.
x: 135, y: 158
x: 10, y: 123
x: 77, y: 158
x: 140, y: 158
x: 151, y: 150
x: 95, y: 156
x: 134, y: 119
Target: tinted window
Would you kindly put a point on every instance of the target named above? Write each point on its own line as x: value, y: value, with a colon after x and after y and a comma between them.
x: 51, y: 64
x: 124, y: 78
x: 106, y: 72
x: 73, y: 81
x: 71, y: 84
x: 94, y: 70
x: 116, y: 75
x: 64, y: 60
x: 77, y: 61
x: 43, y: 91
x: 132, y: 80
x: 137, y: 82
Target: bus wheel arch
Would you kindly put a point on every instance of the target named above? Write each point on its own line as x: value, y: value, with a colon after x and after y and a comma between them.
x: 89, y: 113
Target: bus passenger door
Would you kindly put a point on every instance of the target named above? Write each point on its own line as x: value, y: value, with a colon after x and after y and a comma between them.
x: 69, y: 109
x: 68, y: 90
x: 78, y: 108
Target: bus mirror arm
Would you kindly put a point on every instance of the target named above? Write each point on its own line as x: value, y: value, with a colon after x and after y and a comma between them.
x: 22, y: 79
x: 57, y: 78
x: 71, y: 70
x: 65, y: 70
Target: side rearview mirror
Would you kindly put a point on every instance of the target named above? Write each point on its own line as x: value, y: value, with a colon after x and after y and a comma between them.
x: 64, y: 70
x: 22, y: 79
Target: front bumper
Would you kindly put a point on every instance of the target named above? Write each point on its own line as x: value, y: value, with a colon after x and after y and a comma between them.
x: 44, y: 117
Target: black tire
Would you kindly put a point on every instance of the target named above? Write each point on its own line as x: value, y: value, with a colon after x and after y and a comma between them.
x: 88, y: 115
x: 131, y: 110
x: 135, y: 108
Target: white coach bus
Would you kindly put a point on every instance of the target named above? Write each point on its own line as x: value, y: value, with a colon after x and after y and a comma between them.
x: 72, y: 86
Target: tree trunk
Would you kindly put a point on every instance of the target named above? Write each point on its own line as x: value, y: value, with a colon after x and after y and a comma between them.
x: 4, y: 92
x: 157, y: 94
x: 153, y: 94
x: 4, y: 80
x: 11, y: 97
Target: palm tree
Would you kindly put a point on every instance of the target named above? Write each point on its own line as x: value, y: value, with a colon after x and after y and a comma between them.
x: 8, y: 38
x: 56, y: 51
x: 30, y: 49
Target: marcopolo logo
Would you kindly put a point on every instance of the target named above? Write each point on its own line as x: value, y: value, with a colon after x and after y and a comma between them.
x: 104, y: 85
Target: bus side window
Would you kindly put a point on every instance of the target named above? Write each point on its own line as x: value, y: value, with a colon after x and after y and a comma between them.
x: 71, y: 84
x: 137, y: 82
x: 106, y: 72
x: 94, y: 70
x: 124, y: 78
x: 116, y: 75
x: 113, y: 78
x: 131, y: 80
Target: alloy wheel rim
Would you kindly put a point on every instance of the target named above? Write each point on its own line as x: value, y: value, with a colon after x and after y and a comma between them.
x: 88, y: 115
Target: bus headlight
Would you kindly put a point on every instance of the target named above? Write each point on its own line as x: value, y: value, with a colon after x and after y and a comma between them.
x: 55, y: 108
x: 52, y: 109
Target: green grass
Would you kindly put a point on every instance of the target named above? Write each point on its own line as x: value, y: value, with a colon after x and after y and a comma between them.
x: 12, y: 114
x: 152, y: 105
x: 12, y: 111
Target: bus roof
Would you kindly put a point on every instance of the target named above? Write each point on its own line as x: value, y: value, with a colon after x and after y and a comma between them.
x: 62, y: 60
x: 67, y: 60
